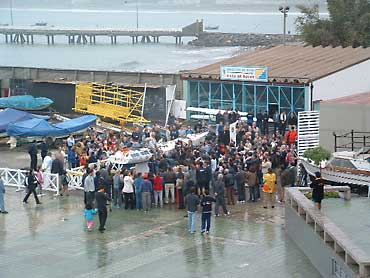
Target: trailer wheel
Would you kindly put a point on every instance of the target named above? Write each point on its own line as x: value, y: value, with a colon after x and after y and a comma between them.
x: 58, y: 143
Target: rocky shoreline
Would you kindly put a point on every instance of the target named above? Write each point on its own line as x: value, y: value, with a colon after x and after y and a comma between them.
x: 215, y: 39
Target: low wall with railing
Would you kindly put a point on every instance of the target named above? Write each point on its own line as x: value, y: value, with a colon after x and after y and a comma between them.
x: 330, y: 250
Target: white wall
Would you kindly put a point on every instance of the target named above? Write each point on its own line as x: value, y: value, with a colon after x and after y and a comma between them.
x: 353, y: 80
x: 342, y: 118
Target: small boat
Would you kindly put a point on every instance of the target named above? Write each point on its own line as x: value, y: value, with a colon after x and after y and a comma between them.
x: 128, y: 156
x: 26, y: 103
x: 40, y: 127
x: 209, y: 27
x: 41, y: 23
x: 10, y: 115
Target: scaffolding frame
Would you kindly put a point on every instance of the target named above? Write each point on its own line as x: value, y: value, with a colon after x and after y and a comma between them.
x: 110, y: 101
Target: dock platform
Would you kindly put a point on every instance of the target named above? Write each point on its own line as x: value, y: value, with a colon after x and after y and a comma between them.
x: 27, y: 35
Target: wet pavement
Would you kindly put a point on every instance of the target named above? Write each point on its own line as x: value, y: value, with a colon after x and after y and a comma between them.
x: 51, y: 239
x: 352, y: 217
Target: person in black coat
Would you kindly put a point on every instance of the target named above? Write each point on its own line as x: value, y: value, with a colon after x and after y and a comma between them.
x: 317, y: 186
x: 32, y: 151
x: 31, y: 183
x: 101, y: 205
x: 44, y: 148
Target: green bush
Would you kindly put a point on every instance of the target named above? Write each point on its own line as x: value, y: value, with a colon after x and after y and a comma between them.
x: 327, y: 195
x: 317, y: 155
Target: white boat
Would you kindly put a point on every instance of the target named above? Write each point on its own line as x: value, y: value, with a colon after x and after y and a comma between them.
x: 131, y: 156
x: 196, y: 139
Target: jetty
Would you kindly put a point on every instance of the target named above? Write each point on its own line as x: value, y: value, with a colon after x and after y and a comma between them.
x: 28, y: 35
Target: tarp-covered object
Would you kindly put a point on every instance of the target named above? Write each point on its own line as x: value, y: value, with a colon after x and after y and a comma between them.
x: 11, y: 115
x: 26, y: 102
x: 38, y: 127
x: 77, y: 123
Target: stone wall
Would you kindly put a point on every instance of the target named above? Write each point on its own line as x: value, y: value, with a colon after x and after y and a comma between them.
x: 237, y: 39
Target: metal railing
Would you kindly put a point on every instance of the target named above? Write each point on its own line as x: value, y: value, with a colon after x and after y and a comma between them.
x: 353, y: 140
x: 16, y: 178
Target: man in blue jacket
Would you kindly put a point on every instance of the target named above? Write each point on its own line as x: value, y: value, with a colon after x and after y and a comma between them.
x: 2, y: 192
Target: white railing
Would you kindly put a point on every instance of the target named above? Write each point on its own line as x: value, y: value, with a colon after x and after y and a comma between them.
x: 16, y: 177
x: 75, y: 174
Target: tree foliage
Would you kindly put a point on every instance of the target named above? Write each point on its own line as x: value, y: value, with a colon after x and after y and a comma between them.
x: 317, y: 154
x: 348, y: 24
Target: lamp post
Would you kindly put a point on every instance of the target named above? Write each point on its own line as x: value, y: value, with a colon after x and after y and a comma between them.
x: 137, y: 13
x: 11, y: 12
x: 284, y: 10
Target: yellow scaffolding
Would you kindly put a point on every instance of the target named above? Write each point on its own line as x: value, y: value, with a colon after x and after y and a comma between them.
x: 110, y: 101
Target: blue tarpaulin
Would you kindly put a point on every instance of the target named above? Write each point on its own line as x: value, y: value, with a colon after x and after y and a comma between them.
x: 26, y: 102
x: 39, y: 127
x: 10, y: 115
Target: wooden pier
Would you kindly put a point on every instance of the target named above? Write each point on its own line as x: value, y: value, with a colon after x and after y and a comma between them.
x: 17, y: 35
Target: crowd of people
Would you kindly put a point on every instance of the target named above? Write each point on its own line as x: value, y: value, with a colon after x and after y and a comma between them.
x: 254, y: 164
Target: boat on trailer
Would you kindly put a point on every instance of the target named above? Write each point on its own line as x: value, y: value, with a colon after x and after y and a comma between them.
x: 347, y: 168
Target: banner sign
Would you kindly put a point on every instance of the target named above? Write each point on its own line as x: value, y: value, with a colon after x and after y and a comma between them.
x: 244, y: 73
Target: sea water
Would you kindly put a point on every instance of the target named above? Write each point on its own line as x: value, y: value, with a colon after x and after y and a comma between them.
x: 163, y: 57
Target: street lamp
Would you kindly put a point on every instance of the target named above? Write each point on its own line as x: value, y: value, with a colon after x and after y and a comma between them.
x: 11, y: 12
x: 284, y: 10
x: 137, y: 13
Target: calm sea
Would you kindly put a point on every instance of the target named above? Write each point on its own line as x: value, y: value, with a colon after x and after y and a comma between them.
x: 164, y: 57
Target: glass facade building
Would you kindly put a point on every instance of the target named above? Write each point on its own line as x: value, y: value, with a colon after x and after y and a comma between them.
x: 246, y: 96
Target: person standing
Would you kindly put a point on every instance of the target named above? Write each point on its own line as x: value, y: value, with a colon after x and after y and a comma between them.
x: 138, y: 184
x: 269, y: 188
x: 317, y: 186
x: 2, y: 192
x: 117, y: 189
x: 229, y: 185
x: 276, y: 119
x: 284, y: 182
x: 158, y: 191
x: 65, y: 181
x: 70, y: 142
x: 283, y: 119
x: 46, y: 168
x: 101, y: 205
x: 31, y: 183
x: 89, y: 187
x: 44, y: 148
x: 40, y: 178
x: 252, y: 181
x: 292, y: 121
x: 192, y: 202
x: 169, y: 185
x: 146, y: 191
x: 219, y: 189
x: 240, y: 183
x: 206, y: 204
x: 128, y: 191
x: 32, y: 151
x: 89, y: 216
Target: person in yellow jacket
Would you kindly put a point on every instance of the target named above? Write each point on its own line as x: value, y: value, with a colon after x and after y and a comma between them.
x: 269, y: 189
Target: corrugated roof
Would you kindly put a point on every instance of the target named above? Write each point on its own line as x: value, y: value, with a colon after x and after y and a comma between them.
x: 363, y: 98
x: 290, y: 63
